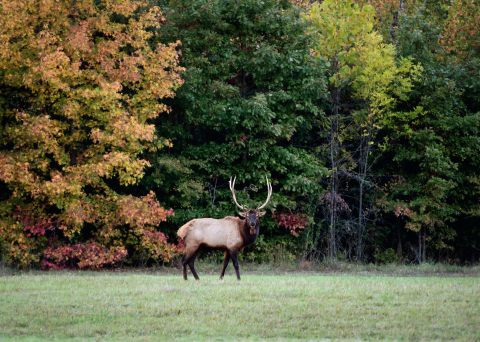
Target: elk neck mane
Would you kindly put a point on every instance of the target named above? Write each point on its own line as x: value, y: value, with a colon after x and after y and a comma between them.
x: 248, y: 238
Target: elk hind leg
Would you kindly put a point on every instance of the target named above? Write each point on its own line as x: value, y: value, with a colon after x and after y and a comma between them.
x: 191, y: 264
x: 188, y: 259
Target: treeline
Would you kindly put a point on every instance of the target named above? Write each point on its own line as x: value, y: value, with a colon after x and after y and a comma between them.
x: 121, y: 120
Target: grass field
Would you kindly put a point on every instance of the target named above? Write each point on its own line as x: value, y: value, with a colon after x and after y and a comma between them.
x: 158, y: 306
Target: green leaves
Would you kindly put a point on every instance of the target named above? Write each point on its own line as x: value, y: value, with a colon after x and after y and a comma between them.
x: 251, y: 93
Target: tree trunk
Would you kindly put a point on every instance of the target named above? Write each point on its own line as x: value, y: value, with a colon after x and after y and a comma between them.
x: 395, y: 23
x: 399, y: 243
x: 363, y: 168
x: 422, y: 250
x: 333, y: 191
x: 334, y: 150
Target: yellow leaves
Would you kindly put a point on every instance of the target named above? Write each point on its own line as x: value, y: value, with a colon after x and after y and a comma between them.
x: 40, y: 133
x: 78, y: 212
x: 17, y: 172
x: 129, y: 170
x: 152, y: 18
x: 156, y: 245
x: 141, y: 30
x: 125, y: 8
x: 20, y: 250
x: 7, y: 168
x: 359, y: 57
x: 338, y: 25
x: 61, y: 185
x: 63, y: 52
x: 125, y: 132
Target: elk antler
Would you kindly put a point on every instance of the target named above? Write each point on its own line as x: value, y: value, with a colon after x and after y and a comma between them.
x: 232, y: 189
x: 269, y: 194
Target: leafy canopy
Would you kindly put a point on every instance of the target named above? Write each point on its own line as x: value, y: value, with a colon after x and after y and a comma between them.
x: 80, y: 83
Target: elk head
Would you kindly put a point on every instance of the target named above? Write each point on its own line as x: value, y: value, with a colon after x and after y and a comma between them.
x: 251, y: 216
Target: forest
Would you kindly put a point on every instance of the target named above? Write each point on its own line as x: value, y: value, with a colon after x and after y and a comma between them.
x: 120, y: 120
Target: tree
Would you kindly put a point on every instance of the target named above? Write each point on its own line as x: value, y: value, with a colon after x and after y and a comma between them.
x: 366, y: 84
x: 251, y: 97
x: 81, y: 83
x: 433, y: 190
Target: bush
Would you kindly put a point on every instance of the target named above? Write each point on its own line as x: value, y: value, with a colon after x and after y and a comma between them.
x: 388, y: 256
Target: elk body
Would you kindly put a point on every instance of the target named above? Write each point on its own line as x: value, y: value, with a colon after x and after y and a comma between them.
x: 230, y: 234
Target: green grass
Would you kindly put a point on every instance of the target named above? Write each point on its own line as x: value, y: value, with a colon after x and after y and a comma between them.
x: 158, y: 306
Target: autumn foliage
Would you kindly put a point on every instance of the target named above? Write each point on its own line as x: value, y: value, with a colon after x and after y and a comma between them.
x: 461, y: 36
x: 81, y: 83
x: 365, y: 115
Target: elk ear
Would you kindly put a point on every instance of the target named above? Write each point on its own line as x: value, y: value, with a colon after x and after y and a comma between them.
x: 261, y: 213
x: 242, y: 214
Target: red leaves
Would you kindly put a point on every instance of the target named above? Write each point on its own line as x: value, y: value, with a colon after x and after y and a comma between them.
x: 84, y: 256
x: 38, y: 228
x: 295, y: 223
x: 33, y: 226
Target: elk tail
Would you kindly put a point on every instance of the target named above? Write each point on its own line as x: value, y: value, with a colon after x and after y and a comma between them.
x: 183, y: 230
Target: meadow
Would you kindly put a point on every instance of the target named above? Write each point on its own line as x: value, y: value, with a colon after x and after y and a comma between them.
x: 280, y: 306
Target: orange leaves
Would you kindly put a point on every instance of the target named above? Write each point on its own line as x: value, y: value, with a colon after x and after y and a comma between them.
x: 79, y: 38
x: 125, y: 131
x: 17, y: 172
x: 156, y: 245
x: 60, y: 185
x: 142, y: 212
x: 125, y: 8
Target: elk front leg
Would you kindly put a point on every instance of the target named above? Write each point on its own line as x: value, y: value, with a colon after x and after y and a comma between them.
x: 225, y: 264
x: 234, y: 257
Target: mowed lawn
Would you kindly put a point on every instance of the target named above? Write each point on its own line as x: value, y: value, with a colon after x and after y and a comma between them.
x: 142, y: 306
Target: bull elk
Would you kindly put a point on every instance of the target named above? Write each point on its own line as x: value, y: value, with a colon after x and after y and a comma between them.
x: 230, y: 234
